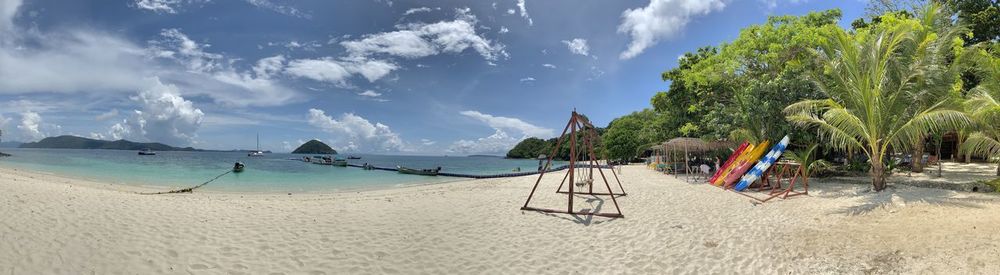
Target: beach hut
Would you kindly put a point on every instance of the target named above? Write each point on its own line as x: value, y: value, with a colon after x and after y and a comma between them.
x: 688, y: 146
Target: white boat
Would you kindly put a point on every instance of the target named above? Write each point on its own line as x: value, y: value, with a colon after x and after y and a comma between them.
x: 146, y: 152
x: 257, y: 153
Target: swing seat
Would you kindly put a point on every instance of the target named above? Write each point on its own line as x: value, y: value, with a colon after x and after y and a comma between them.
x: 584, y: 182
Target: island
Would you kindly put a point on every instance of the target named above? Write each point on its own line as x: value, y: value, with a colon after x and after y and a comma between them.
x: 314, y: 147
x: 75, y: 142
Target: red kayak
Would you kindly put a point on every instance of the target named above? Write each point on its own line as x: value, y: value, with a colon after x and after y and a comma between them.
x: 729, y: 161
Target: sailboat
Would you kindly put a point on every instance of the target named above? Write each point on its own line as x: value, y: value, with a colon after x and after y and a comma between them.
x: 257, y: 153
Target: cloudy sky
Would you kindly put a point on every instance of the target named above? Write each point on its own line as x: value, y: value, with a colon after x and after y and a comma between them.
x: 378, y: 76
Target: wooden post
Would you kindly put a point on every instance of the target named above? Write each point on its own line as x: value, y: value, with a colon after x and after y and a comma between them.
x: 547, y: 163
x: 572, y: 158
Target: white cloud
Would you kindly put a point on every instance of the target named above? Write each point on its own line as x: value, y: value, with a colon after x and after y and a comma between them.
x: 163, y: 116
x: 509, y: 123
x: 172, y: 6
x: 500, y: 141
x: 326, y: 70
x: 355, y: 133
x: 421, y: 40
x: 69, y: 62
x: 30, y: 122
x: 33, y: 128
x: 4, y: 121
x: 528, y: 79
x: 370, y: 93
x: 213, y: 76
x: 511, y: 11
x: 164, y: 6
x: 497, y: 143
x: 550, y: 66
x: 107, y: 115
x: 503, y: 30
x: 416, y: 10
x: 577, y: 46
x: 85, y: 61
x: 8, y: 9
x: 338, y: 71
x: 178, y: 46
x: 524, y: 12
x: 661, y: 19
x: 282, y: 9
x: 427, y: 142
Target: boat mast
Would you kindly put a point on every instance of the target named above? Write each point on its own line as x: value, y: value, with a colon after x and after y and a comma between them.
x: 258, y: 142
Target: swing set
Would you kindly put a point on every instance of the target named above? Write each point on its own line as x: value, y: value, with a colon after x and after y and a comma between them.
x: 580, y: 175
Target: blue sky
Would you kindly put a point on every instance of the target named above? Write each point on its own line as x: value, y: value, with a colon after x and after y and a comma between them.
x: 378, y: 76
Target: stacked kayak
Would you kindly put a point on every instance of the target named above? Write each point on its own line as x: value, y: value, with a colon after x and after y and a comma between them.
x: 747, y: 164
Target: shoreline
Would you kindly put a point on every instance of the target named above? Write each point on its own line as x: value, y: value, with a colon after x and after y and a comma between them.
x: 56, y: 224
x: 150, y: 187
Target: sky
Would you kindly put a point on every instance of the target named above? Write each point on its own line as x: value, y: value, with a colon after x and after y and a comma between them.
x: 367, y: 76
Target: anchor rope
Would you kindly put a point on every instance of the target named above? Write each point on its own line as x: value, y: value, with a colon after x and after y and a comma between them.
x: 189, y: 189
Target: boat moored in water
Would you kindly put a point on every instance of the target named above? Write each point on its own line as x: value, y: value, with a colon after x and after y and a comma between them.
x: 339, y: 162
x: 422, y: 172
x: 146, y: 152
x: 238, y: 167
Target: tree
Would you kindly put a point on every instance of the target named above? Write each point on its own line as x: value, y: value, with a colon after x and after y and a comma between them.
x: 529, y: 148
x: 982, y: 17
x: 871, y: 79
x: 807, y: 157
x: 984, y: 108
x: 744, y: 85
x: 628, y: 136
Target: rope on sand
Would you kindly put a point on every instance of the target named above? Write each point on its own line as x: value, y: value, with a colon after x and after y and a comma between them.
x: 189, y: 189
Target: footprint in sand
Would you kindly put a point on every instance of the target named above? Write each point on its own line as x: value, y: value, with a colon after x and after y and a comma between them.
x: 199, y: 267
x: 172, y: 253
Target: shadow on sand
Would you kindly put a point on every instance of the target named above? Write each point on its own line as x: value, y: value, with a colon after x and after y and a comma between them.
x: 869, y: 200
x: 596, y: 204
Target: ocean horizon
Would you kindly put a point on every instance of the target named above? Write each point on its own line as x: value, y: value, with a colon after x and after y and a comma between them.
x: 275, y: 172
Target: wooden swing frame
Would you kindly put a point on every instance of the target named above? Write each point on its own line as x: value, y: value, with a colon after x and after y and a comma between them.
x: 576, y: 122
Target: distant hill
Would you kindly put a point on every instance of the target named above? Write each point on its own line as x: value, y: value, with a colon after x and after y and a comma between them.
x: 314, y: 147
x: 484, y: 156
x: 9, y: 144
x: 75, y: 142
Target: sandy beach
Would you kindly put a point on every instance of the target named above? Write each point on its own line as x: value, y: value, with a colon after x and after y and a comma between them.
x: 56, y: 225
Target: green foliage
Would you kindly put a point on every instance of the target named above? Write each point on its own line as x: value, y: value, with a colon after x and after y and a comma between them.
x: 984, y: 107
x: 630, y: 135
x: 982, y: 17
x: 529, y: 148
x: 882, y: 87
x: 745, y: 84
x: 807, y: 157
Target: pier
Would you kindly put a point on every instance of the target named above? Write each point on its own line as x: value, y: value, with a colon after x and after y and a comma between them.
x: 493, y: 176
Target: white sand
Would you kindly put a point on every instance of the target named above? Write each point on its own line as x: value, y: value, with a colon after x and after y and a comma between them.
x: 50, y: 224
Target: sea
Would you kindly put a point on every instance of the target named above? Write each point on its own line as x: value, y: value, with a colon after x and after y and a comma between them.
x: 275, y: 172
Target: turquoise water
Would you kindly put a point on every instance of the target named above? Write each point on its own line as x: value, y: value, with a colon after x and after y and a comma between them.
x: 271, y: 173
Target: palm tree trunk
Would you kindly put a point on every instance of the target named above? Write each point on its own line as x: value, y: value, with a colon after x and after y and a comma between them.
x: 918, y: 154
x: 878, y: 174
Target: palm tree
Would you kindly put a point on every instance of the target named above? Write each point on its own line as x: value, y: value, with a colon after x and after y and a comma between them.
x: 807, y: 158
x: 984, y: 108
x: 878, y: 101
